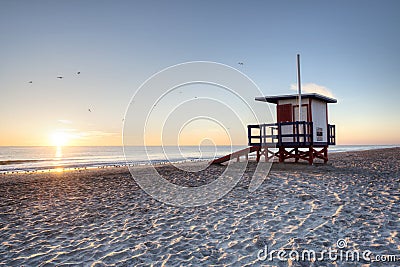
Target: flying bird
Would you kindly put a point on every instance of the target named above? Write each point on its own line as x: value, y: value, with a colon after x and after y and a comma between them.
x: 78, y: 72
x: 30, y: 81
x: 89, y: 110
x: 60, y: 77
x: 240, y: 63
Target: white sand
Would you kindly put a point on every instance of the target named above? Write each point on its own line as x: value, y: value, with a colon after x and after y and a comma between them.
x: 101, y: 217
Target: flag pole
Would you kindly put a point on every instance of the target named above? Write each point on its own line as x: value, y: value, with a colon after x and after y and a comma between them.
x: 299, y: 84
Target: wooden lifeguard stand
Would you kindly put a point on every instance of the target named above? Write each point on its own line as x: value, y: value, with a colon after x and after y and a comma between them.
x: 302, y: 130
x: 306, y: 138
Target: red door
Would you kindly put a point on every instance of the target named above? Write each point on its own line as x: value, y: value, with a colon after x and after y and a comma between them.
x: 284, y: 113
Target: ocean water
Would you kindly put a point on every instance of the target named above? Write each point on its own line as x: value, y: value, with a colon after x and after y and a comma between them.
x: 20, y: 159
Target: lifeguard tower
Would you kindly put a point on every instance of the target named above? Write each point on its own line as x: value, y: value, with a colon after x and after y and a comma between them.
x: 306, y: 138
x: 301, y: 132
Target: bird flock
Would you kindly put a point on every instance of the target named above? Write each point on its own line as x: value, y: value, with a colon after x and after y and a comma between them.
x: 59, y: 77
x: 62, y: 77
x: 78, y: 73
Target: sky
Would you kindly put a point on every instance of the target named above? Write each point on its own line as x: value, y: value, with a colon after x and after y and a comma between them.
x: 349, y: 50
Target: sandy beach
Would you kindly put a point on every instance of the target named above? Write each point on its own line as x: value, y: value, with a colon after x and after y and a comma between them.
x: 101, y: 217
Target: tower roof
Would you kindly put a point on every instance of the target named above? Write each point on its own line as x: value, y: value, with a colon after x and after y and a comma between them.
x: 274, y: 99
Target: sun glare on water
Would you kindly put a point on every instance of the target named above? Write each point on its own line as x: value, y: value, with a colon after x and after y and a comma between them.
x: 59, y: 139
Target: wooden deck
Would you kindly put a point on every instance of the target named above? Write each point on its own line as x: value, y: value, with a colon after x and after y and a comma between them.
x: 287, y: 134
x: 293, y: 140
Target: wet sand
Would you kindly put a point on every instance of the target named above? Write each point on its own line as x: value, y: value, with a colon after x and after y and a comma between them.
x: 101, y: 217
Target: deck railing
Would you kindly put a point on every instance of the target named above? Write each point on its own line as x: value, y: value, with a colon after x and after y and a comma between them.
x: 331, y: 134
x: 289, y: 134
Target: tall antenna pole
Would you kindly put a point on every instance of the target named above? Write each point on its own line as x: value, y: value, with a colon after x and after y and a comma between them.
x: 299, y: 84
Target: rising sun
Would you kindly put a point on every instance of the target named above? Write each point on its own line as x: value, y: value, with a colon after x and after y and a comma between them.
x: 59, y: 138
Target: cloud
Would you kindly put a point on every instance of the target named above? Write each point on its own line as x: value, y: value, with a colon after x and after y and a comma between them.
x: 65, y: 121
x: 94, y: 134
x: 313, y: 88
x: 76, y: 134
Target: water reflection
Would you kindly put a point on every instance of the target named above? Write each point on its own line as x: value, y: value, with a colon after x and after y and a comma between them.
x: 58, y: 155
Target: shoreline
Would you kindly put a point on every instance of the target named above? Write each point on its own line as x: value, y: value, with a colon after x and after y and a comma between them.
x: 102, y: 217
x: 113, y: 165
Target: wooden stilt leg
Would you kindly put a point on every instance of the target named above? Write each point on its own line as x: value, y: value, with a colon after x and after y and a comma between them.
x: 325, y: 154
x: 296, y: 153
x: 281, y: 154
x: 310, y: 156
x: 258, y: 156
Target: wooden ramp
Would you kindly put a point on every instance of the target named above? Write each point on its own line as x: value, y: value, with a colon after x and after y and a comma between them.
x: 244, y: 152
